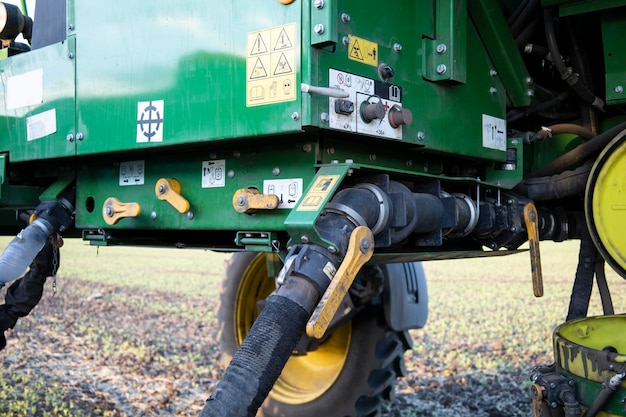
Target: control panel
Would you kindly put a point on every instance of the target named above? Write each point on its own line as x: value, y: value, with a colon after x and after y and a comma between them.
x: 373, y: 107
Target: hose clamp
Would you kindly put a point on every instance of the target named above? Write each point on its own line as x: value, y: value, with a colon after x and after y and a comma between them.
x: 383, y: 204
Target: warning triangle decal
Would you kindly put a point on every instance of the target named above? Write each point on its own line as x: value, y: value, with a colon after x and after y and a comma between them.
x: 283, y: 41
x: 283, y: 67
x: 355, y: 51
x: 258, y: 47
x: 258, y: 71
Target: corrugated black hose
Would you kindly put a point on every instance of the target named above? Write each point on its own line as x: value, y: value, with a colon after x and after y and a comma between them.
x: 259, y: 361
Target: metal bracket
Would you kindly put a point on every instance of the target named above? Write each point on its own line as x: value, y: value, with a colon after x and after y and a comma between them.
x: 300, y: 224
x: 445, y: 57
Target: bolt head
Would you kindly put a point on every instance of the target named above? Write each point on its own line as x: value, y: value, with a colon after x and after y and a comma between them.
x: 493, y: 90
x: 619, y: 89
x: 441, y: 69
x: 345, y: 17
x: 153, y: 215
x: 325, y: 117
x: 345, y: 40
x: 397, y: 47
x: 108, y: 210
x: 332, y: 249
x: 442, y: 48
x: 70, y: 138
x: 275, y: 171
x: 190, y: 215
x: 241, y: 200
x: 304, y: 239
x: 295, y: 115
x: 161, y: 189
x: 421, y: 136
x: 319, y: 29
x: 319, y: 4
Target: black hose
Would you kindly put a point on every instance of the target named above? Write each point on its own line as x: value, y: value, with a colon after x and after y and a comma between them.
x: 583, y: 281
x: 260, y: 359
x: 578, y: 154
x: 521, y: 22
x: 515, y: 115
x: 565, y: 184
x: 567, y: 74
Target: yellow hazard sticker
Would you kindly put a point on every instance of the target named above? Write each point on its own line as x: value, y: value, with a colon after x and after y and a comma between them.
x: 271, y: 65
x: 362, y: 50
x: 315, y: 197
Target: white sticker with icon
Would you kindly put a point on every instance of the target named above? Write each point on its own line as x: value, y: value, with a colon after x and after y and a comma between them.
x: 288, y: 191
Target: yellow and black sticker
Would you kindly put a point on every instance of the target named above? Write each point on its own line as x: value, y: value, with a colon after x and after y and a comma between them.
x: 315, y: 197
x: 271, y: 65
x: 362, y: 50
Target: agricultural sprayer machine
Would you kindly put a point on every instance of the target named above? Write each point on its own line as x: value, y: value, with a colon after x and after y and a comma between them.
x: 332, y: 146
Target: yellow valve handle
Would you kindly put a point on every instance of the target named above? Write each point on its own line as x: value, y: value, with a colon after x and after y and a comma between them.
x: 360, y: 250
x: 531, y: 218
x: 249, y: 200
x: 114, y: 210
x: 168, y: 189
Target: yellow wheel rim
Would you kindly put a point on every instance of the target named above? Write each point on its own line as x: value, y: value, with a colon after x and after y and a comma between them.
x: 607, y: 189
x: 304, y: 378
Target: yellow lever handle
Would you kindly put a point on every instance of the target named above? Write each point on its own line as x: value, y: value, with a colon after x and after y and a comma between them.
x: 360, y: 250
x: 113, y: 210
x: 531, y: 218
x: 168, y: 189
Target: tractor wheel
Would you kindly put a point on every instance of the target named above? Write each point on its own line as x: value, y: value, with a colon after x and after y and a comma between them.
x: 352, y: 374
x: 605, y: 202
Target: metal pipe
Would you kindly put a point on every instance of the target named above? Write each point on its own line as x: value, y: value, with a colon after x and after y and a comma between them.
x: 608, y: 389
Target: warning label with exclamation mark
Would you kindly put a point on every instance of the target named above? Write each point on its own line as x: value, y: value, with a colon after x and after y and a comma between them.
x: 271, y: 65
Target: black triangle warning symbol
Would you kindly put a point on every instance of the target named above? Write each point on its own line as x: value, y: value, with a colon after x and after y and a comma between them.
x: 259, y: 70
x: 355, y: 51
x: 258, y: 47
x: 283, y: 41
x: 283, y: 67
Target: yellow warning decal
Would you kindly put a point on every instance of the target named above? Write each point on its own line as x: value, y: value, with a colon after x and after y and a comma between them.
x: 271, y: 65
x: 362, y: 50
x: 315, y: 197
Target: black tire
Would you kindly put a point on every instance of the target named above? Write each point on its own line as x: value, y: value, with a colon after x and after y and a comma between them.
x: 371, y: 355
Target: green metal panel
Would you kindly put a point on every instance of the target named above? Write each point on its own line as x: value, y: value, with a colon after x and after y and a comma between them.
x: 613, y: 31
x: 445, y: 58
x: 494, y: 32
x: 37, y: 106
x: 399, y: 46
x: 185, y: 72
x: 209, y: 179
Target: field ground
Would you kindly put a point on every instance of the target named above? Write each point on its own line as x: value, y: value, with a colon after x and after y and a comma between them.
x: 131, y: 332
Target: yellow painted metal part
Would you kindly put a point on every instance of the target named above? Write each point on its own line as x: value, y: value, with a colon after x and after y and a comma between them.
x: 168, y: 189
x: 609, y: 202
x: 249, y: 200
x: 583, y: 347
x: 360, y: 250
x: 304, y: 378
x: 113, y: 210
x: 531, y: 218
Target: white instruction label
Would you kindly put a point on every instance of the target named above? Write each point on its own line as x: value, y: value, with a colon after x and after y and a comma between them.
x: 494, y: 133
x: 288, y: 191
x: 214, y: 173
x: 42, y: 124
x: 25, y: 90
x: 132, y: 173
